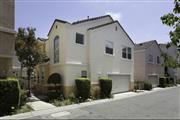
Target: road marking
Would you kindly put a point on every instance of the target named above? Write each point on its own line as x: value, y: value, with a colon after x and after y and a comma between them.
x: 60, y: 114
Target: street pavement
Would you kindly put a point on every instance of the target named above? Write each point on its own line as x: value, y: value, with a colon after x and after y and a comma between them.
x: 163, y: 104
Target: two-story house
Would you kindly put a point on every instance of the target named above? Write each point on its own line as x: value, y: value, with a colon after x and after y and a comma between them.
x: 7, y: 35
x: 94, y: 47
x: 147, y: 62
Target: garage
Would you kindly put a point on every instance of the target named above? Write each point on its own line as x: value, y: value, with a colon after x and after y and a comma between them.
x: 120, y: 83
x: 153, y: 79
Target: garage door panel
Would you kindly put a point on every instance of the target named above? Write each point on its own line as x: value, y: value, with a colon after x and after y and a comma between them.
x: 120, y: 83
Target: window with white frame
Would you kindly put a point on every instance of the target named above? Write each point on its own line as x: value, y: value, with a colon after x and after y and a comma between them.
x: 109, y: 47
x: 150, y: 58
x: 56, y: 49
x: 127, y: 53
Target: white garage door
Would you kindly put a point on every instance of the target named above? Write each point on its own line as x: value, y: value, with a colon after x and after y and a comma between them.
x: 120, y: 83
x: 153, y: 80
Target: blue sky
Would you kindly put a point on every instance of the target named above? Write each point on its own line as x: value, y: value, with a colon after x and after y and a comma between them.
x: 140, y: 18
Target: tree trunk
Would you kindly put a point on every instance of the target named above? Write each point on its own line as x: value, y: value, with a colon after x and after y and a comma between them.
x: 29, y: 82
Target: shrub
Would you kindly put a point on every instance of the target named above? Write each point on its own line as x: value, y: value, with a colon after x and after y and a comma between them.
x: 167, y: 80
x: 178, y: 81
x: 23, y: 97
x: 171, y: 81
x: 139, y: 85
x: 83, y: 88
x: 10, y: 94
x: 106, y: 87
x: 147, y: 86
x: 3, y: 76
x: 162, y: 82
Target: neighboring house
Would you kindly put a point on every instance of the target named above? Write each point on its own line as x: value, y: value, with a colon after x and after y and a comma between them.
x: 172, y: 52
x: 147, y: 62
x: 7, y: 35
x: 94, y: 47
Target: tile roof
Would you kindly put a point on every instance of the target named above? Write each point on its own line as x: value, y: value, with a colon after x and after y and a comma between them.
x: 91, y: 19
x: 102, y: 25
x: 144, y: 45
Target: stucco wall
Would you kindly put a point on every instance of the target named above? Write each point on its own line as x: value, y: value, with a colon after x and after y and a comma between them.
x: 101, y: 63
x: 139, y: 65
x: 7, y: 13
x: 153, y: 68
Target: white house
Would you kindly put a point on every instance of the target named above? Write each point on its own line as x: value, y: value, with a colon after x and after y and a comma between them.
x: 93, y: 47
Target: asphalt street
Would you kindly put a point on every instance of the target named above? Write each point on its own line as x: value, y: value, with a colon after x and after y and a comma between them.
x: 157, y: 105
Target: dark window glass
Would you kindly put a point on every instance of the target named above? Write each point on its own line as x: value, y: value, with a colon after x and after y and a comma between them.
x: 158, y: 59
x: 109, y: 47
x: 129, y: 53
x: 79, y: 38
x: 84, y: 73
x: 124, y: 53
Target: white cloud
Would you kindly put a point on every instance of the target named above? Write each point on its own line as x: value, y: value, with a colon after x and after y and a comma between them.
x: 115, y: 16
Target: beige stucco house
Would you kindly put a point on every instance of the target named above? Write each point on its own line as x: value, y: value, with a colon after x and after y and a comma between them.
x: 7, y: 35
x: 93, y: 48
x: 172, y: 52
x: 147, y: 62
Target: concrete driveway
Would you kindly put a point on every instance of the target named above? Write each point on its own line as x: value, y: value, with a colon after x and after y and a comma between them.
x: 157, y: 105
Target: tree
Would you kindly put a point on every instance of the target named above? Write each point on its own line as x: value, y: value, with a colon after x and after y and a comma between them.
x: 26, y: 46
x: 173, y: 20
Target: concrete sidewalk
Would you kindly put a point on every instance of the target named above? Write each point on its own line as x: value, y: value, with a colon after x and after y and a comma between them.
x: 40, y: 105
x: 63, y: 110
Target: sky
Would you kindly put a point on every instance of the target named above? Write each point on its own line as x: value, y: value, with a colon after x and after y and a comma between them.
x: 139, y: 18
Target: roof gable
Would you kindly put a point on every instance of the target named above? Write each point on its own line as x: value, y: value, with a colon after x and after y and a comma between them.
x: 57, y: 20
x: 146, y: 45
x: 110, y: 23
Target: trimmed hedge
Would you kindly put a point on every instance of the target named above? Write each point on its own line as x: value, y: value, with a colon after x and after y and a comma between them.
x: 9, y: 96
x: 162, y: 82
x: 83, y: 88
x: 106, y: 87
x: 147, y: 86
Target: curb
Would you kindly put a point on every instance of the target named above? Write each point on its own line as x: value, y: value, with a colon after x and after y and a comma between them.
x: 85, y: 104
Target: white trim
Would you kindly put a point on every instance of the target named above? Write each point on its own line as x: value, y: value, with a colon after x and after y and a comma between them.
x: 8, y: 30
x: 74, y: 63
x: 6, y: 56
x: 114, y: 73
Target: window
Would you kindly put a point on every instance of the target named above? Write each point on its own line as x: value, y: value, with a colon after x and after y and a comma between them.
x: 56, y: 49
x: 84, y: 73
x: 116, y: 28
x: 158, y: 60
x: 126, y: 53
x: 109, y: 47
x: 150, y: 58
x: 79, y: 38
x: 129, y: 53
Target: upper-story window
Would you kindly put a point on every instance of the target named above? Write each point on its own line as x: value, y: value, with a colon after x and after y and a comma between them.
x: 158, y: 60
x: 56, y: 49
x: 109, y: 47
x: 127, y: 53
x: 79, y: 38
x: 150, y: 58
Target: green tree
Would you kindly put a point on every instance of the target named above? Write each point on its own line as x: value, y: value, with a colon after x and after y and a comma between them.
x: 26, y: 46
x: 173, y: 20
